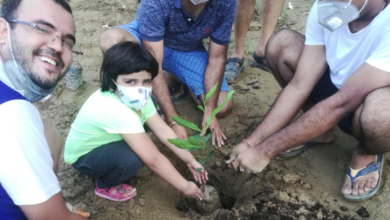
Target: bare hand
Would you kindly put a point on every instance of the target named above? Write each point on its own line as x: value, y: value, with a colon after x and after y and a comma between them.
x: 251, y: 160
x: 216, y: 131
x: 238, y: 149
x: 200, y: 176
x: 193, y: 191
x: 180, y: 131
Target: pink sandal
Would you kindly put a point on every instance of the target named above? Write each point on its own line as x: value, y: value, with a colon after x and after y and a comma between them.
x: 118, y: 196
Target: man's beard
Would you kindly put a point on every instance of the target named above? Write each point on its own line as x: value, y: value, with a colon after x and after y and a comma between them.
x: 22, y: 55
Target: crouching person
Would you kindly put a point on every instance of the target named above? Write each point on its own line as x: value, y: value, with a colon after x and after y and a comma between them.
x: 107, y: 140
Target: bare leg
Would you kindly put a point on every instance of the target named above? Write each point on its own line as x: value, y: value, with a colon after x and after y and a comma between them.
x: 54, y: 140
x: 113, y: 36
x: 244, y: 13
x: 370, y: 126
x: 270, y: 13
x: 283, y: 52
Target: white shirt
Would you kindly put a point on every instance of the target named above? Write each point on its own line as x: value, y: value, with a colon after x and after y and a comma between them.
x: 346, y: 51
x: 26, y: 166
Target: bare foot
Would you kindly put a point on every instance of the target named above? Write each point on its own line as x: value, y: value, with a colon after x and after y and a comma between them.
x: 325, y: 138
x: 364, y: 183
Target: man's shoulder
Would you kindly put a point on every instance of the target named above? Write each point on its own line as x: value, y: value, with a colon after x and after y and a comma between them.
x: 146, y: 4
x: 226, y: 3
x: 8, y: 94
x: 223, y: 5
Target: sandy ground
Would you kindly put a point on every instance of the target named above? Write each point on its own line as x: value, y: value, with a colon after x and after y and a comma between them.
x: 314, y: 176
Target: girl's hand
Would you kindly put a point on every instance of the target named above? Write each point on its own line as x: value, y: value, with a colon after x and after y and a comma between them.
x: 200, y: 176
x: 193, y: 191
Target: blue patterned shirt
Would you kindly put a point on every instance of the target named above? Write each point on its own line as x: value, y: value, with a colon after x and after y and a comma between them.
x: 169, y: 21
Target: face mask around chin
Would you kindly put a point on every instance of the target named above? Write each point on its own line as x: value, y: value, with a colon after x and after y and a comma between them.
x: 334, y: 14
x: 22, y: 82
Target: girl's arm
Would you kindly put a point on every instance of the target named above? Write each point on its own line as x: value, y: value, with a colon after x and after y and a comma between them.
x: 163, y: 132
x: 145, y: 149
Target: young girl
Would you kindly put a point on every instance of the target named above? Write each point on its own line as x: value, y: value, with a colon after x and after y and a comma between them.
x: 107, y: 140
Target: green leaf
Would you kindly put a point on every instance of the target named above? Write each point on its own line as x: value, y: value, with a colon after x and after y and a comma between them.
x: 206, y: 140
x: 219, y: 108
x: 192, y: 149
x: 201, y: 161
x: 211, y: 92
x: 209, y: 147
x: 193, y: 141
x: 198, y: 137
x: 185, y: 123
x: 183, y: 144
x: 209, y: 155
x: 197, y: 156
x: 198, y: 169
x: 200, y: 107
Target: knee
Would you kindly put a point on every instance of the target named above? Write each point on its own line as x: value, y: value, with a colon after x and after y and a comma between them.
x: 54, y: 141
x: 374, y: 121
x: 281, y: 44
x: 109, y: 38
x: 53, y: 136
x: 277, y: 42
x: 130, y: 163
x: 226, y: 110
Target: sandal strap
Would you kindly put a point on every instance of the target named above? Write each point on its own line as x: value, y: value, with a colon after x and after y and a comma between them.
x: 235, y: 60
x: 260, y: 59
x: 355, y: 174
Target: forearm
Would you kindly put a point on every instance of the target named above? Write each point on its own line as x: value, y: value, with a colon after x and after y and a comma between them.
x: 167, y: 171
x: 160, y: 90
x: 168, y: 133
x: 286, y: 106
x: 315, y: 122
x: 213, y: 75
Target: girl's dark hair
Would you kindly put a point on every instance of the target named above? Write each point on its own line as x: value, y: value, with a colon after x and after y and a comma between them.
x: 124, y: 58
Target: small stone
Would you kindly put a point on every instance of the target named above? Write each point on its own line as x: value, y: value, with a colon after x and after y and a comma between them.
x: 319, y: 214
x: 343, y: 208
x: 141, y: 202
x: 248, y: 209
x: 251, y: 81
x: 278, y: 177
x: 256, y: 86
x: 304, y: 198
x: 302, y: 210
x: 283, y: 196
x: 290, y: 178
x: 302, y: 217
x: 307, y: 186
x: 362, y: 212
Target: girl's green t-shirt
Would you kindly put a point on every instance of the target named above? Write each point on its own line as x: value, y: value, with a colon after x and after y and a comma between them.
x: 101, y: 120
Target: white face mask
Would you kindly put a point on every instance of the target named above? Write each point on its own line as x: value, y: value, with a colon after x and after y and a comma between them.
x: 134, y: 97
x: 198, y: 2
x: 334, y: 14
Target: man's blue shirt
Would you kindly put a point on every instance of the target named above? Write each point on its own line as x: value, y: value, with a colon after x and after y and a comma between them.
x: 168, y: 20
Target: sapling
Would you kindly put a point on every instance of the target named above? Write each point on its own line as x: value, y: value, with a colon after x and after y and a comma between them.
x: 199, y: 143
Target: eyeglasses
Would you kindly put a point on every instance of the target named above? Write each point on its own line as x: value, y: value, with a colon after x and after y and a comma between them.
x: 49, y: 32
